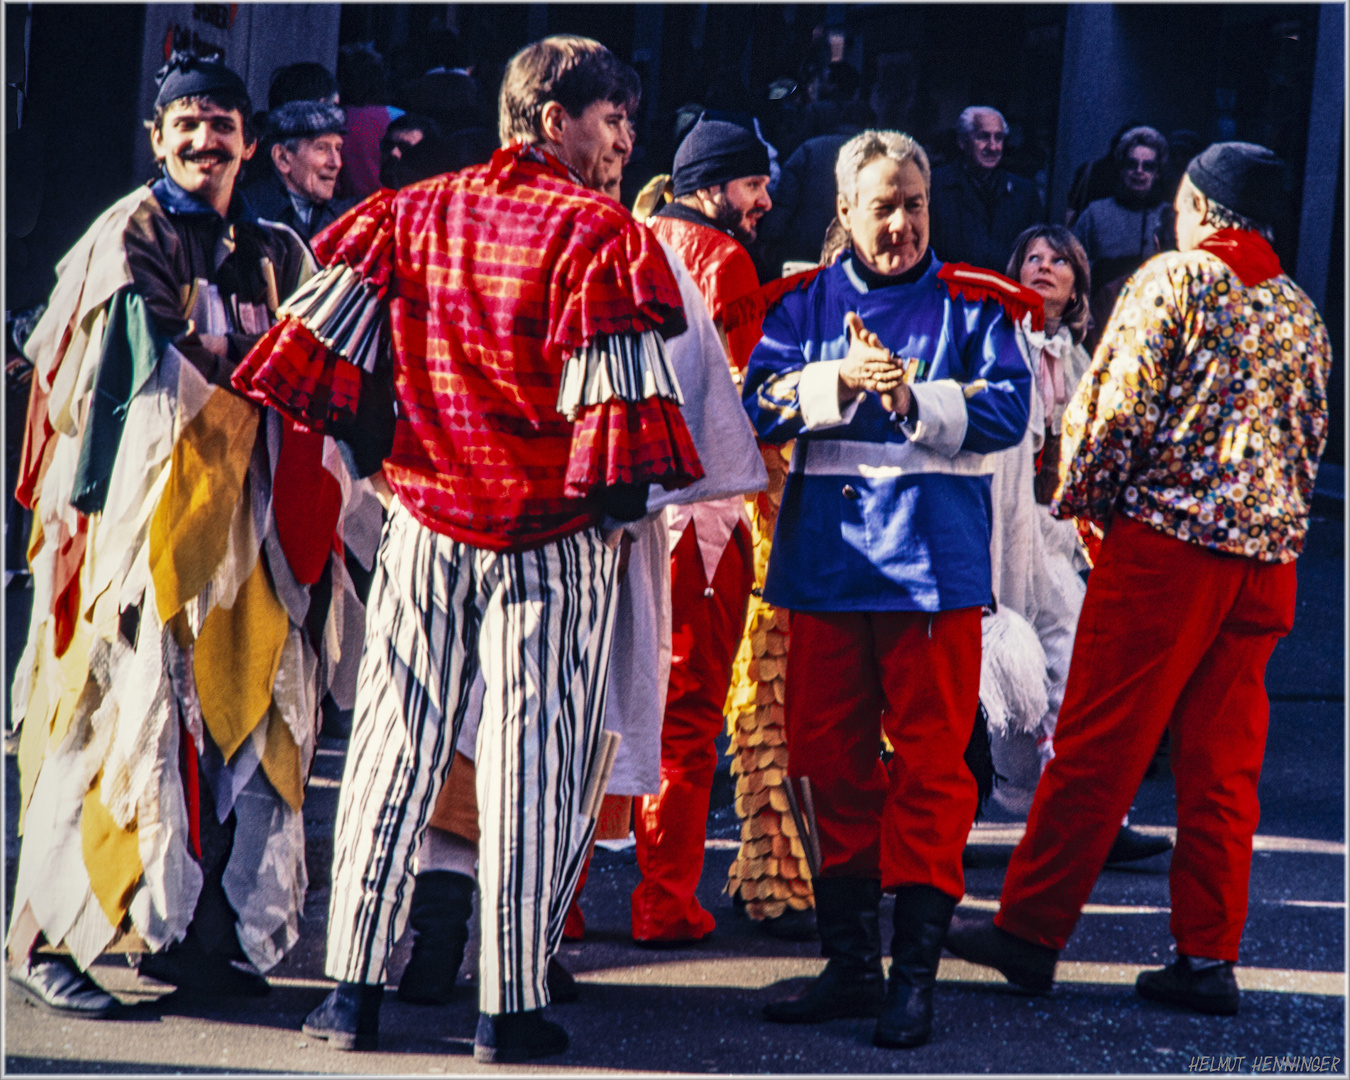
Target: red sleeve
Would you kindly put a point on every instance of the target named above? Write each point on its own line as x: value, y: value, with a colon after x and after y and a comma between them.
x: 626, y: 288
x: 737, y: 279
x: 290, y: 369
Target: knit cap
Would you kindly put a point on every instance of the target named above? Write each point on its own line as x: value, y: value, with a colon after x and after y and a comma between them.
x: 715, y: 152
x: 1246, y: 178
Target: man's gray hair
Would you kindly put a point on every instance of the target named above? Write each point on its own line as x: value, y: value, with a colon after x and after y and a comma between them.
x: 965, y: 123
x: 866, y: 146
x: 1221, y: 217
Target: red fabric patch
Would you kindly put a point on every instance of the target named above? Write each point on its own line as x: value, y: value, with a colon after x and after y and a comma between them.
x: 307, y: 501
x: 363, y: 238
x: 66, y: 582
x: 1247, y: 254
x: 617, y: 442
x: 976, y: 284
x: 187, y: 769
x: 292, y: 372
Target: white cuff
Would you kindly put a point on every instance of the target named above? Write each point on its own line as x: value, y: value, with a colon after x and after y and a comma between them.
x: 818, y: 393
x: 941, y: 422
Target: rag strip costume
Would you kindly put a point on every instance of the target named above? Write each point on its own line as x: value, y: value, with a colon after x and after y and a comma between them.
x: 711, y: 574
x: 1035, y: 560
x: 881, y: 553
x: 1199, y: 426
x: 527, y: 318
x: 193, y: 605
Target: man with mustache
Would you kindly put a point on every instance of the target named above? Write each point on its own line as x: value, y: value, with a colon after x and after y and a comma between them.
x: 306, y: 150
x: 899, y: 377
x: 175, y: 653
x: 526, y: 315
x: 720, y: 181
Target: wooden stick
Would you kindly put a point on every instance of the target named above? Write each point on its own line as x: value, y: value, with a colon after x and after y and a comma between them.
x: 799, y: 819
x: 809, y: 803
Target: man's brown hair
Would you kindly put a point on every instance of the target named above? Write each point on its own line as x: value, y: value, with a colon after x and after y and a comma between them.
x: 573, y: 71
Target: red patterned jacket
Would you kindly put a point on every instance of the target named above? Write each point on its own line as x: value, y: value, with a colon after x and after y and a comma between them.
x: 498, y: 281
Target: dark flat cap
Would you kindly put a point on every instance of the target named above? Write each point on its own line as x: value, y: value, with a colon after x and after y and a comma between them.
x: 1246, y: 178
x: 306, y: 120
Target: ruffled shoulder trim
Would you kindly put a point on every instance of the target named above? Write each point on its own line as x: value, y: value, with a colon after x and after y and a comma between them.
x: 626, y: 288
x: 977, y: 284
x: 363, y: 238
x: 753, y: 306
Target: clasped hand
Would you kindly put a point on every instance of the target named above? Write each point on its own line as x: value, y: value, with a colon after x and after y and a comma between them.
x: 869, y: 365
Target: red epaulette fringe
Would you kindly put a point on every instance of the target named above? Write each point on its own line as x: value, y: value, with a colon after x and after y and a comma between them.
x: 753, y: 306
x: 976, y: 284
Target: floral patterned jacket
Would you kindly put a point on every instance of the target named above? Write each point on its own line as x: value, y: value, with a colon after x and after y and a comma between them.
x: 1205, y: 410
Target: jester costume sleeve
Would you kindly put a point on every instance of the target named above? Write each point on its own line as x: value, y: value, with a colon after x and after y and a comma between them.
x: 192, y: 602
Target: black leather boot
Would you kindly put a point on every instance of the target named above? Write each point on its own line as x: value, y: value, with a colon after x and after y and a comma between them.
x: 349, y: 1017
x: 513, y: 1037
x: 922, y: 915
x: 852, y: 984
x: 1203, y: 986
x: 442, y: 902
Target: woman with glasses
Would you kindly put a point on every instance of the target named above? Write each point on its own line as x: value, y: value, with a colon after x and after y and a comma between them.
x: 1121, y: 232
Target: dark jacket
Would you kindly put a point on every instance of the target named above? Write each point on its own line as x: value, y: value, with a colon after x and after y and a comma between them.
x: 268, y: 199
x: 964, y: 228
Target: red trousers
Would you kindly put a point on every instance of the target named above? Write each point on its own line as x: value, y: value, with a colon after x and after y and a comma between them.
x: 917, y: 676
x: 672, y: 825
x: 1172, y: 635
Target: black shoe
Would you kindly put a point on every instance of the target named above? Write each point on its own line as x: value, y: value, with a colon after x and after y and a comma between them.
x: 512, y: 1037
x: 922, y: 916
x: 442, y: 902
x: 349, y: 1017
x: 196, y: 973
x: 792, y: 925
x: 56, y: 984
x: 852, y: 984
x: 1023, y: 963
x: 562, y: 988
x: 1212, y: 990
x: 1131, y: 846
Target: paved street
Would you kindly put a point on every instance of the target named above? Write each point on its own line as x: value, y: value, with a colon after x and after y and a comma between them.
x: 696, y: 1009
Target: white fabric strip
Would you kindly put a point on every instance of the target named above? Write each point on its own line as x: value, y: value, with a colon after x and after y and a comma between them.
x: 942, y: 420
x: 878, y: 461
x: 818, y: 393
x: 631, y: 367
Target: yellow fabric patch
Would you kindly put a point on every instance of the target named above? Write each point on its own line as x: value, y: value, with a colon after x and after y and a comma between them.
x: 235, y: 661
x: 112, y: 856
x: 281, y: 760
x: 190, y: 530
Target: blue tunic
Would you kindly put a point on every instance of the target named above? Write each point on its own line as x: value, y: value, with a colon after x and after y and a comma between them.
x: 879, y: 514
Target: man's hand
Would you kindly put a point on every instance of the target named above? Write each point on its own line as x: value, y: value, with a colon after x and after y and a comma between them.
x: 870, y: 366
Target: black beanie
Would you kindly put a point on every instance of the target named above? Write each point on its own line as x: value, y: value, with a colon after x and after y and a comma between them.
x: 716, y: 151
x: 1246, y: 178
x: 189, y: 75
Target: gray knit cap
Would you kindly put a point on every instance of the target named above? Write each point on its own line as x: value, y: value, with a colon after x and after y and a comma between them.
x: 1245, y: 177
x: 306, y: 120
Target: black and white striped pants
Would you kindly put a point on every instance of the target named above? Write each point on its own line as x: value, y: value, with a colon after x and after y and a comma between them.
x: 537, y: 624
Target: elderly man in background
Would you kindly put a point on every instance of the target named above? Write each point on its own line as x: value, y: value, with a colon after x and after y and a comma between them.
x: 979, y: 209
x: 536, y: 406
x: 306, y: 150
x: 1194, y: 439
x: 899, y: 377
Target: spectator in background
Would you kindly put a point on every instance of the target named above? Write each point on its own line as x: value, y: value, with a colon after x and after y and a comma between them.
x: 306, y: 81
x: 306, y: 157
x: 1095, y: 179
x: 979, y: 209
x: 804, y: 201
x: 1121, y: 232
x: 365, y: 94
